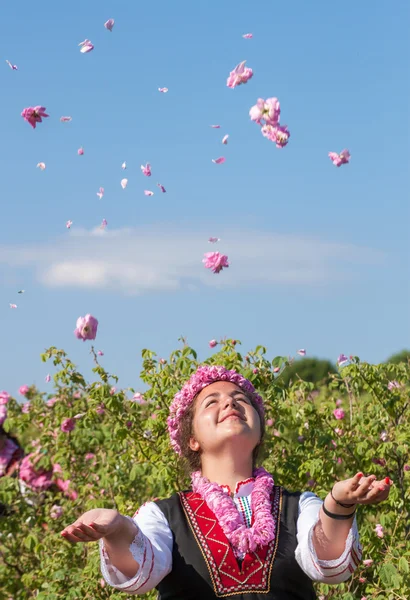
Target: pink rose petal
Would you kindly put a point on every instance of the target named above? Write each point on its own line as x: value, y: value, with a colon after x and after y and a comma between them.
x: 12, y: 67
x: 163, y: 90
x: 247, y: 36
x: 124, y: 183
x: 161, y: 187
x: 219, y: 161
x: 100, y: 193
x: 65, y: 119
x: 41, y: 166
x: 80, y: 151
x: 109, y: 24
x: 68, y: 224
x: 148, y: 193
x: 225, y: 139
x: 86, y: 46
x: 216, y: 126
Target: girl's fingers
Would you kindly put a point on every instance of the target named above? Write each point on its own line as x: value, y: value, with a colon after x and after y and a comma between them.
x: 71, y: 538
x: 90, y: 532
x: 356, y: 480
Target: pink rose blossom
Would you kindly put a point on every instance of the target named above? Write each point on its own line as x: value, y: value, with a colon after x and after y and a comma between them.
x: 269, y: 422
x: 50, y: 403
x: 56, y: 511
x: 146, y: 170
x: 68, y: 425
x: 379, y: 530
x: 384, y: 436
x: 276, y: 369
x: 89, y: 456
x: 86, y: 46
x: 239, y: 75
x: 339, y: 159
x: 36, y: 480
x: 367, y: 562
x: 3, y: 413
x: 113, y: 390
x: 34, y: 115
x: 100, y: 409
x: 339, y: 461
x: 406, y: 467
x: 362, y: 579
x: 80, y: 151
x: 86, y: 328
x: 4, y: 397
x: 215, y: 261
x: 109, y: 24
x: 266, y: 110
x: 339, y: 402
x: 212, y: 343
x: 139, y: 398
x: 393, y: 385
x: 77, y: 395
x: 23, y: 390
x: 339, y: 413
x: 25, y: 409
x: 64, y: 486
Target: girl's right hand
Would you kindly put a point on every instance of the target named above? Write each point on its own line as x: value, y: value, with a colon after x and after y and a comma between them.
x: 93, y: 525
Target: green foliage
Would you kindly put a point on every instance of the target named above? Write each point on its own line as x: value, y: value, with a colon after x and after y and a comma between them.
x: 305, y: 448
x: 399, y: 357
x: 313, y: 370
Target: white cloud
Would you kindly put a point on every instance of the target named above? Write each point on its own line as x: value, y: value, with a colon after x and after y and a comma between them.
x: 140, y: 260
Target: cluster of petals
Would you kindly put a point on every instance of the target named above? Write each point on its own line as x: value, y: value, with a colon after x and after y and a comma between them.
x: 4, y: 398
x: 213, y: 343
x: 201, y: 378
x: 56, y: 511
x: 215, y: 261
x: 146, y: 170
x: 36, y: 479
x: 340, y: 159
x: 23, y: 390
x: 86, y: 328
x: 266, y: 113
x: 240, y: 74
x: 392, y: 385
x: 379, y: 530
x: 34, y: 115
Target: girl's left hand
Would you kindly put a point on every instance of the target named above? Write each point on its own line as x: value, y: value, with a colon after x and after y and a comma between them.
x: 362, y: 490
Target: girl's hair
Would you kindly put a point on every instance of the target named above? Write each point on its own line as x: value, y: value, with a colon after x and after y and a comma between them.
x: 4, y: 433
x: 192, y: 458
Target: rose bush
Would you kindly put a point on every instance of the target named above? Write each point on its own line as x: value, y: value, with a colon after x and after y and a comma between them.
x: 93, y: 445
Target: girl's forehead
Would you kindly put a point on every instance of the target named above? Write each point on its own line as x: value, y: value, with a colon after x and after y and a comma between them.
x: 218, y: 387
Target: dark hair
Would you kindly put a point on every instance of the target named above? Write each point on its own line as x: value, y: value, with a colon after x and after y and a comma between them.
x: 4, y: 433
x: 192, y: 458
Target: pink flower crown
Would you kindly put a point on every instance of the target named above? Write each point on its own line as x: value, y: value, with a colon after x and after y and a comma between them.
x: 203, y: 377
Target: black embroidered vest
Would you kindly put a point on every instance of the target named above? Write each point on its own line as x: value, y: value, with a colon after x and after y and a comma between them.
x: 204, y: 566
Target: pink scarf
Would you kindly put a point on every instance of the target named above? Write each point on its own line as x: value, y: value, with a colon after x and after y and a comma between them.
x: 242, y: 539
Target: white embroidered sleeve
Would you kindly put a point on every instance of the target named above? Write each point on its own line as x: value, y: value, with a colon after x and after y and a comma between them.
x: 151, y: 548
x: 326, y: 571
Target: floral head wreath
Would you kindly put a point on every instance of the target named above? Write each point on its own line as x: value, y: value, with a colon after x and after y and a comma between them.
x: 203, y: 377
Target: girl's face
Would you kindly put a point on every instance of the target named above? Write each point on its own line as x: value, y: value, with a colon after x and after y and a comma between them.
x: 223, y: 416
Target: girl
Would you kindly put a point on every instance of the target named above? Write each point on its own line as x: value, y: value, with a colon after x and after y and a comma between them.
x: 234, y: 534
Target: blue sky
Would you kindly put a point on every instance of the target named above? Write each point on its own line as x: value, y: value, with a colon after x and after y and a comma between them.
x: 319, y: 255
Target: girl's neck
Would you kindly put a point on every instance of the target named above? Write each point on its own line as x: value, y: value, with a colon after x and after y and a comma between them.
x: 227, y: 469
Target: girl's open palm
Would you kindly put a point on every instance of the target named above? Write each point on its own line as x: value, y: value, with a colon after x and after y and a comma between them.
x: 93, y: 525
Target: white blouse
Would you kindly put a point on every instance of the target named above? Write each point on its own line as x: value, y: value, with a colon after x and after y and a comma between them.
x: 152, y: 545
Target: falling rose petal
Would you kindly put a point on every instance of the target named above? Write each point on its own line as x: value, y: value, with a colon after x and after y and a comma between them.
x: 68, y: 224
x: 100, y: 353
x: 79, y: 416
x: 219, y: 161
x: 124, y: 183
x: 86, y: 46
x: 124, y: 166
x: 213, y: 240
x: 146, y: 170
x: 163, y: 90
x: 13, y: 305
x: 41, y: 166
x: 66, y: 119
x: 225, y: 139
x: 80, y: 151
x: 100, y: 193
x: 109, y: 24
x: 12, y: 67
x: 21, y: 291
x: 216, y: 126
x: 302, y: 352
x: 104, y: 224
x: 239, y: 75
x: 161, y: 187
x: 247, y: 36
x: 47, y: 378
x: 148, y: 193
